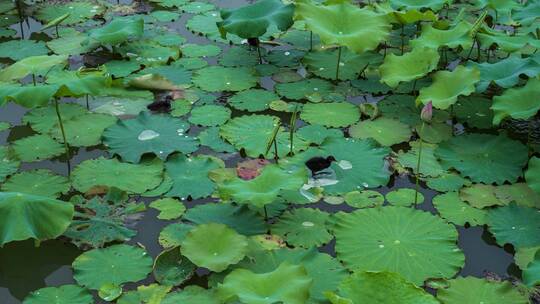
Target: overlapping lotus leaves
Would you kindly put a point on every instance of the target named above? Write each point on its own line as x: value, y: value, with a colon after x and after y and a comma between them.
x: 430, y: 166
x: 385, y: 131
x: 118, y: 30
x: 43, y: 119
x: 214, y: 246
x: 25, y: 216
x: 518, y: 103
x: 210, y: 138
x: 192, y: 294
x: 506, y: 73
x: 337, y: 114
x: 174, y: 74
x: 454, y: 37
x: 40, y: 182
x: 71, y: 42
x: 253, y: 21
x: 8, y: 164
x: 303, y: 227
x: 532, y: 175
x: 169, y: 208
x: 79, y: 83
x: 484, y: 158
x: 324, y: 64
x: 25, y: 48
x: 113, y: 173
x: 480, y: 196
x: 413, y: 243
x: 476, y: 290
x: 379, y: 287
x: 78, y: 11
x: 310, y: 88
x: 287, y: 283
x: 36, y: 148
x: 157, y: 134
x: 344, y: 24
x: 84, y: 130
x: 240, y: 218
x: 531, y: 275
x: 190, y: 176
x: 520, y: 193
x: 447, y: 86
x: 447, y: 182
x: 363, y: 199
x: 456, y: 211
x: 516, y: 225
x: 265, y: 188
x: 419, y: 4
x: 252, y: 100
x: 64, y: 294
x: 171, y: 268
x: 117, y: 264
x: 409, y: 66
x: 524, y: 256
x: 35, y: 65
x: 152, y: 293
x: 475, y: 111
x: 404, y: 197
x: 217, y: 78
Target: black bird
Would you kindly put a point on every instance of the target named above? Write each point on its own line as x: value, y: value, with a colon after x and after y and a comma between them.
x: 161, y: 105
x: 316, y: 164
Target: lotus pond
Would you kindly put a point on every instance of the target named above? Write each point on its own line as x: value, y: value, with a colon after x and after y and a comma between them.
x: 155, y: 152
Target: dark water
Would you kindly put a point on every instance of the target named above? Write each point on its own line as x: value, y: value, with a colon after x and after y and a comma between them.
x: 24, y: 267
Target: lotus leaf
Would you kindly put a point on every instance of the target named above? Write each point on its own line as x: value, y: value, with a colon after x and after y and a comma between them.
x: 378, y: 288
x: 24, y: 216
x: 453, y: 209
x: 434, y: 38
x: 78, y: 11
x: 43, y: 119
x: 532, y: 174
x: 363, y: 199
x: 516, y: 225
x: 476, y: 290
x: 323, y: 64
x: 524, y: 256
x: 340, y: 114
x: 169, y: 208
x: 64, y: 294
x: 430, y: 166
x: 403, y: 197
x: 416, y: 245
x: 40, y: 182
x: 190, y: 176
x: 157, y: 134
x: 520, y: 193
x: 419, y: 4
x: 177, y: 75
x: 475, y: 111
x: 287, y: 283
x: 118, y: 30
x: 210, y: 138
x: 37, y: 148
x: 480, y: 196
x: 303, y: 227
x: 71, y: 42
x: 171, y: 268
x: 146, y: 294
x: 531, y: 275
x: 518, y: 103
x: 195, y: 50
x: 385, y: 131
x: 484, y: 158
x: 240, y: 218
x: 25, y: 48
x: 214, y: 246
x: 173, y: 235
x: 149, y: 52
x: 253, y: 21
x: 447, y: 86
x: 311, y: 88
x: 506, y: 73
x: 410, y: 66
x: 8, y: 165
x: 35, y: 65
x: 345, y: 24
x: 78, y: 83
x: 252, y: 100
x: 197, y: 7
x: 117, y: 264
x: 209, y: 115
x: 317, y: 134
x: 113, y: 173
x: 216, y: 78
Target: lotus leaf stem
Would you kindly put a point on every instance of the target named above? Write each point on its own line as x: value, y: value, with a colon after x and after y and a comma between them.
x: 338, y: 63
x: 417, y: 189
x: 62, y: 130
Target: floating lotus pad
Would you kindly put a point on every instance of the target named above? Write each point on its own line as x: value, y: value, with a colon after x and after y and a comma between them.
x: 41, y: 182
x: 169, y: 208
x: 64, y: 294
x: 171, y: 268
x: 453, y: 209
x: 339, y: 114
x: 303, y: 227
x: 515, y: 225
x: 37, y: 147
x: 476, y: 290
x: 385, y: 131
x: 532, y: 173
x: 209, y: 115
x: 517, y: 103
x: 252, y: 100
x: 190, y: 176
x: 410, y: 66
x: 403, y: 197
x: 216, y: 78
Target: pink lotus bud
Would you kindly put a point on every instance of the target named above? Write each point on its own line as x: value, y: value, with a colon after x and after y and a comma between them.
x: 427, y: 112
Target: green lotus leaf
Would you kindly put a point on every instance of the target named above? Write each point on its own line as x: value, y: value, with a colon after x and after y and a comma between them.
x: 121, y: 68
x: 524, y: 256
x: 64, y: 294
x: 454, y: 210
x: 214, y: 246
x: 113, y: 173
x: 324, y: 64
x: 71, y: 42
x: 532, y: 175
x: 210, y: 138
x: 435, y: 132
x: 517, y: 103
x: 447, y: 86
x: 192, y: 294
x: 317, y: 134
x: 192, y: 63
x: 385, y: 131
x: 379, y: 287
x: 216, y: 78
x: 197, y: 7
x: 506, y: 43
x: 78, y: 83
x: 84, y: 130
x: 209, y: 115
x: 147, y: 133
x: 345, y: 24
x: 520, y: 193
x: 206, y: 24
x: 287, y: 283
x: 301, y: 39
x: 506, y: 73
x: 37, y: 148
x: 196, y: 50
x: 409, y: 66
x: 475, y: 111
x: 531, y: 275
x: 39, y: 182
x: 260, y: 132
x: 429, y: 165
x: 484, y: 158
x: 8, y: 164
x: 25, y: 216
x: 252, y: 100
x: 476, y: 290
x: 25, y: 48
x: 173, y: 234
x: 152, y: 293
x: 338, y: 114
x: 171, y: 268
x: 413, y: 16
x: 169, y: 208
x: 239, y: 56
x: 117, y: 264
x: 100, y: 221
x: 419, y: 4
x: 190, y: 176
x: 36, y: 65
x: 165, y: 16
x: 416, y: 244
x: 254, y: 20
x: 304, y: 227
x: 44, y: 120
x: 515, y: 225
x: 174, y: 73
x: 286, y: 58
x: 79, y: 11
x: 265, y: 188
x: 149, y: 52
x: 363, y: 199
x: 240, y: 218
x: 118, y: 30
x: 308, y: 88
x: 403, y: 197
x: 434, y: 38
x: 480, y: 196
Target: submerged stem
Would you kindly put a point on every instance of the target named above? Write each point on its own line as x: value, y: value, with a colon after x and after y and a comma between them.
x: 276, y: 155
x: 87, y: 104
x: 292, y: 125
x: 259, y: 52
x: 20, y: 13
x: 34, y: 79
x: 418, y: 165
x: 61, y: 124
x: 310, y: 40
x: 338, y: 63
